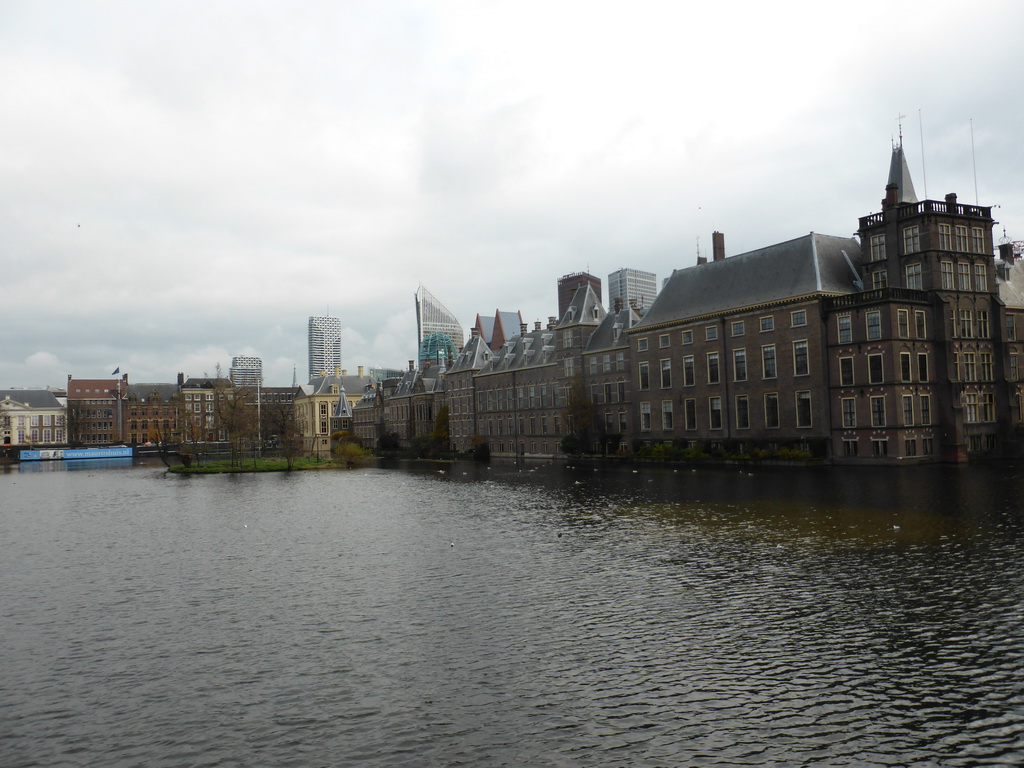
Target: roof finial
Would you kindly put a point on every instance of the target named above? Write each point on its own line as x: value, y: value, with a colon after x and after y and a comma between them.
x: 899, y: 121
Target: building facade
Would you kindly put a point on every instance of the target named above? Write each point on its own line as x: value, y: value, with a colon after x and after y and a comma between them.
x: 324, y: 344
x: 246, y: 371
x: 439, y: 335
x: 31, y: 417
x: 634, y: 287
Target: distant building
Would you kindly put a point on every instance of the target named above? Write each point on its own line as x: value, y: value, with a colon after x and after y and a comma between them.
x: 151, y: 413
x: 568, y: 284
x: 495, y: 331
x: 324, y: 344
x: 324, y: 406
x: 439, y: 334
x: 95, y: 414
x: 246, y: 371
x: 30, y: 417
x: 635, y: 287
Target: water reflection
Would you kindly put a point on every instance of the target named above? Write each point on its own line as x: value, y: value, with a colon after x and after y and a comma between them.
x: 510, y: 614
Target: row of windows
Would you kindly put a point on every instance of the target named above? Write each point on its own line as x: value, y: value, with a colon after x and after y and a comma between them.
x: 769, y: 366
x: 880, y: 446
x: 527, y: 396
x: 876, y: 368
x: 914, y: 280
x: 919, y: 414
x: 948, y: 236
x: 797, y: 319
x: 741, y: 413
x: 537, y: 426
x: 199, y: 396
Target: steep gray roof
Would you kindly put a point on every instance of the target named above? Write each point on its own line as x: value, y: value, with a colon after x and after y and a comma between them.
x: 342, y: 409
x: 32, y: 398
x: 321, y: 385
x: 1010, y: 283
x: 804, y: 266
x: 145, y: 391
x: 474, y: 356
x: 533, y: 349
x: 584, y: 309
x: 899, y: 174
x: 610, y: 334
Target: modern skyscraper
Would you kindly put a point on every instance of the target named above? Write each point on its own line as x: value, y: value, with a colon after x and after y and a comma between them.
x: 246, y: 371
x: 632, y: 285
x: 324, y: 344
x: 567, y: 285
x: 438, y: 330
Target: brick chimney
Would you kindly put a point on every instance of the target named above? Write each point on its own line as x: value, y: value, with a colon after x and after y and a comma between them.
x: 536, y: 325
x: 892, y: 193
x: 951, y: 200
x: 522, y: 329
x: 552, y: 322
x: 618, y: 304
x: 718, y: 246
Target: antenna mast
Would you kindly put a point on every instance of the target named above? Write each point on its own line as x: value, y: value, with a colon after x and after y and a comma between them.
x: 974, y: 164
x: 924, y: 173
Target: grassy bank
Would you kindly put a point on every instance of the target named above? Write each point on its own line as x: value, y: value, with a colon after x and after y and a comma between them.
x: 259, y: 465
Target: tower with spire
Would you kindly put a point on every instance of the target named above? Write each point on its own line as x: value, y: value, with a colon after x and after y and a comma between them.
x: 920, y: 347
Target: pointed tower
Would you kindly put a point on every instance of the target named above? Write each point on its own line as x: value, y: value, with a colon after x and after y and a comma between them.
x: 899, y: 175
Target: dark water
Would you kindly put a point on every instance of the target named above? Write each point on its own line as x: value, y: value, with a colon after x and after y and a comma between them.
x: 497, y: 617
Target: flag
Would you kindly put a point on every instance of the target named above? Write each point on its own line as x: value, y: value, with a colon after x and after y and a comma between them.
x: 116, y: 371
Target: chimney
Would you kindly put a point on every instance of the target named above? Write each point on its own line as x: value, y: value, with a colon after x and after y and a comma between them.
x: 344, y: 372
x: 702, y: 260
x: 474, y: 332
x: 892, y: 195
x: 522, y: 329
x: 950, y: 201
x: 718, y: 246
x: 181, y: 379
x: 337, y: 370
x: 360, y: 369
x: 412, y: 365
x: 618, y: 304
x: 633, y: 304
x: 1006, y: 252
x: 536, y: 325
x: 552, y: 321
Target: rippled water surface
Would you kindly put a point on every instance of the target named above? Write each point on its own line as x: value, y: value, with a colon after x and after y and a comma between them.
x: 512, y: 616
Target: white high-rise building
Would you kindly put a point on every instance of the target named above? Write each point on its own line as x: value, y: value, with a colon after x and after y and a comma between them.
x: 246, y: 371
x: 324, y: 344
x: 630, y: 285
x: 439, y: 333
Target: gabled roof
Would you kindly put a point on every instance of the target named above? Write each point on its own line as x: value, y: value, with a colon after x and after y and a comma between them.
x: 534, y: 349
x: 610, y: 334
x: 31, y: 398
x: 474, y: 356
x: 496, y: 330
x: 899, y: 174
x: 584, y: 309
x: 808, y: 265
x: 342, y: 409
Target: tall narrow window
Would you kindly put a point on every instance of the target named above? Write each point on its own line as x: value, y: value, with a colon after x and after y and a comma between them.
x: 966, y: 324
x: 903, y: 323
x: 846, y: 371
x: 803, y: 409
x: 926, y: 409
x: 666, y: 374
x: 945, y: 237
x: 801, y: 367
x: 845, y: 325
x: 946, y: 270
x: 905, y: 366
x: 922, y: 366
x: 982, y: 324
x: 849, y: 406
x: 771, y: 410
x: 666, y: 415
x: 877, y: 411
x: 690, y: 413
x: 875, y: 369
x: 921, y: 323
x: 877, y: 247
x: 980, y: 277
x: 742, y: 412
x: 645, y: 417
x: 713, y: 372
x: 908, y: 410
x: 913, y: 276
x: 911, y: 239
x: 688, y: 377
x: 768, y: 361
x: 977, y: 241
x: 739, y: 365
x: 961, y: 238
x: 963, y: 271
x: 715, y: 411
x: 874, y: 325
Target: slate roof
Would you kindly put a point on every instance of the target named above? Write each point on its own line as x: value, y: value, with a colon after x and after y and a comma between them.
x: 899, y: 174
x: 474, y: 356
x: 321, y: 385
x: 610, y: 334
x: 31, y: 398
x: 584, y: 309
x: 804, y: 266
x: 1010, y: 284
x: 533, y: 349
x: 145, y: 391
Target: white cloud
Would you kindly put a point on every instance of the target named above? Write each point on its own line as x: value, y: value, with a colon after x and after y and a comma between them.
x: 237, y: 167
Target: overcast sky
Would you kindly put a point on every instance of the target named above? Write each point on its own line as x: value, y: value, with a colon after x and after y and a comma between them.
x: 182, y: 182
